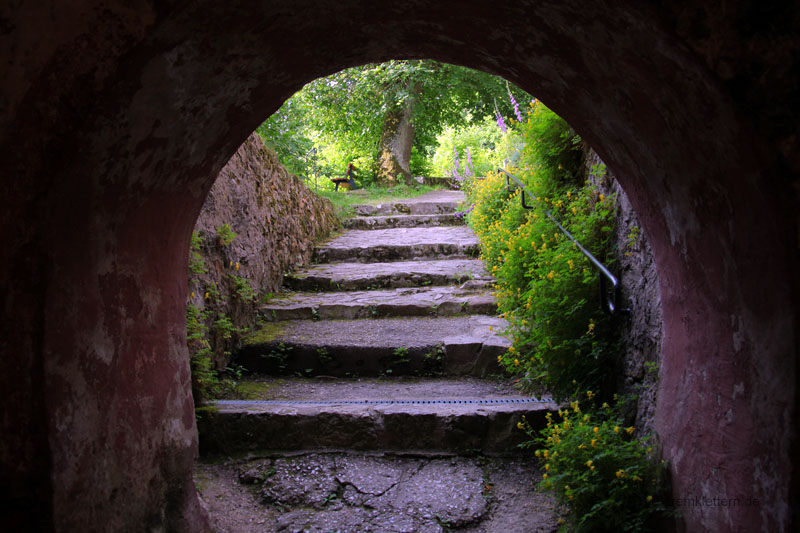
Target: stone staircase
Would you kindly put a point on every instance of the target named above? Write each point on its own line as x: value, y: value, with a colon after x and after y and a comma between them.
x: 389, y: 346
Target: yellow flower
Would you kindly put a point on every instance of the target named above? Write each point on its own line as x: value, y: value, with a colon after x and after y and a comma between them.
x: 616, y: 429
x: 589, y: 463
x: 551, y: 275
x: 649, y: 498
x: 237, y: 265
x: 230, y: 264
x: 593, y: 443
x: 544, y: 476
x: 595, y: 429
x: 630, y: 430
x: 547, y: 467
x: 511, y: 349
x: 602, y: 197
x: 206, y: 296
x: 520, y: 425
x: 192, y: 294
x: 590, y: 394
x: 499, y: 358
x: 620, y: 473
x: 516, y: 362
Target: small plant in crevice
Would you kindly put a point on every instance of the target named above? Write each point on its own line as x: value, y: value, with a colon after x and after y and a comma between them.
x: 204, y: 378
x: 225, y: 235
x: 400, y: 356
x: 433, y: 361
x: 277, y: 359
x: 396, y: 361
x: 607, y: 478
x: 197, y: 265
x: 324, y: 357
x: 242, y: 289
x: 224, y: 326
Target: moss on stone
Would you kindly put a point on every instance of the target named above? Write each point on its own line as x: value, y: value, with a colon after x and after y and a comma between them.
x: 264, y: 334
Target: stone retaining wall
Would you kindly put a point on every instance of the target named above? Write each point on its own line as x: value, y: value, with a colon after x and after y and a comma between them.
x: 640, y: 359
x: 276, y: 219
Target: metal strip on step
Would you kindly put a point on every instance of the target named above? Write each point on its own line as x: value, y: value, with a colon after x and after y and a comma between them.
x: 492, y: 401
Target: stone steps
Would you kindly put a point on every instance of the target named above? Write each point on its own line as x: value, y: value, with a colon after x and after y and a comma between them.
x: 405, y: 451
x: 465, y: 345
x: 394, y: 244
x: 403, y: 221
x: 357, y: 276
x: 432, y: 203
x: 412, y: 301
x: 396, y: 367
x: 424, y: 415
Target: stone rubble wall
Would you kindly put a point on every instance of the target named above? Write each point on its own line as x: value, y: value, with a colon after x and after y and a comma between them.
x: 640, y: 357
x: 277, y: 220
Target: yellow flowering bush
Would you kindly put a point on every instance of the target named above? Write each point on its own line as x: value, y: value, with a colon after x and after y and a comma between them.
x: 546, y: 288
x: 607, y: 479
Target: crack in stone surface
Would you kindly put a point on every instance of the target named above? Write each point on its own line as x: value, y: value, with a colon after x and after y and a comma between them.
x: 376, y: 492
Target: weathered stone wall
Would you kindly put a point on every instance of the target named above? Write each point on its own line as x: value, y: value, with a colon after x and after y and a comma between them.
x: 276, y: 219
x: 640, y: 357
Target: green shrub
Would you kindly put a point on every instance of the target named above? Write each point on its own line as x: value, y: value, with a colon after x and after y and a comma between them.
x: 546, y: 288
x: 607, y: 479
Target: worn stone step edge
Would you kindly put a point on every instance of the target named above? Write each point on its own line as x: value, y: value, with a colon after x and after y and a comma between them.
x: 324, y: 279
x: 453, y: 356
x: 403, y: 221
x: 485, y: 429
x: 406, y: 208
x: 380, y: 303
x: 396, y: 252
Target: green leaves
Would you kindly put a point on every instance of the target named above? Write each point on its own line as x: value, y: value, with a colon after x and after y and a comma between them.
x: 608, y: 479
x: 341, y: 117
x: 546, y: 288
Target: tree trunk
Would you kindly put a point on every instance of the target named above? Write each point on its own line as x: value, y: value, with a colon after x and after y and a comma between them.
x: 396, y: 141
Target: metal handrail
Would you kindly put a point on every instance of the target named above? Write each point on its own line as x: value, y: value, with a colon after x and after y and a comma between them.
x: 608, y: 299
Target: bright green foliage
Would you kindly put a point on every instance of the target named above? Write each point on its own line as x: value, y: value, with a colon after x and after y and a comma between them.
x: 340, y: 118
x: 204, y: 377
x: 488, y: 147
x: 547, y: 289
x: 225, y: 235
x: 196, y: 264
x: 607, y: 479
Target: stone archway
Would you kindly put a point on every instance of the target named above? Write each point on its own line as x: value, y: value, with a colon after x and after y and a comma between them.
x: 115, y: 120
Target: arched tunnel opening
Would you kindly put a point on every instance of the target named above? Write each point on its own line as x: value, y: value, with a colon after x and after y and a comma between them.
x: 115, y: 125
x: 360, y: 362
